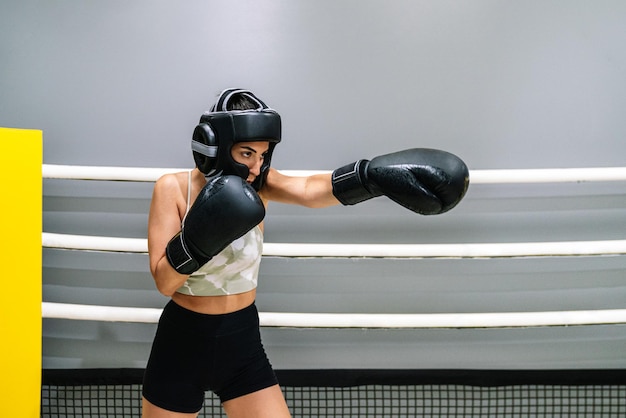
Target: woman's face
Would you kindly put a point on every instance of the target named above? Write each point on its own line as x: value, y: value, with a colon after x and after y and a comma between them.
x: 250, y: 154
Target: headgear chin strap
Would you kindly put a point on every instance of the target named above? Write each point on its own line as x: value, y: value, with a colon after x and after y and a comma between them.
x: 219, y: 129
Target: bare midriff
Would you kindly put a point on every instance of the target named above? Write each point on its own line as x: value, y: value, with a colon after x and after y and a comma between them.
x: 215, y: 305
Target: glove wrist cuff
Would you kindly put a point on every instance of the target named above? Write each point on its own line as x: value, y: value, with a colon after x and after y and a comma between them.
x: 349, y: 183
x: 179, y: 257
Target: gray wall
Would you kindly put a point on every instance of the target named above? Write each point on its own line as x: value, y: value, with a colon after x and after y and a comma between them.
x: 503, y: 84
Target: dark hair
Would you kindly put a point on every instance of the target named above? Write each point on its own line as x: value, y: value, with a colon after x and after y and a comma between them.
x: 241, y: 102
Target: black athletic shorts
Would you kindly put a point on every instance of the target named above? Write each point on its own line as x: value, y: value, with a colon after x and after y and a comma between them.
x: 194, y: 352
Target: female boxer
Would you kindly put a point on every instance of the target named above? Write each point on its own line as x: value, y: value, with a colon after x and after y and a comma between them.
x: 205, y: 234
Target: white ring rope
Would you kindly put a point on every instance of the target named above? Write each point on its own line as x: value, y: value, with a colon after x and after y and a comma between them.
x: 94, y: 243
x: 302, y: 250
x: 330, y: 320
x: 347, y: 320
x: 548, y: 175
x: 82, y: 172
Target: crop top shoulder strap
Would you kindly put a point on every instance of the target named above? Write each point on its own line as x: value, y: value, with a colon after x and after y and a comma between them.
x: 188, y: 197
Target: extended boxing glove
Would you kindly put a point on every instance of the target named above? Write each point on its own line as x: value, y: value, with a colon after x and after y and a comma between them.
x: 226, y: 208
x: 426, y: 181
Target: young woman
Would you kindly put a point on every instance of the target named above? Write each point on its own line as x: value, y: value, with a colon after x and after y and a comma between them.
x: 205, y: 236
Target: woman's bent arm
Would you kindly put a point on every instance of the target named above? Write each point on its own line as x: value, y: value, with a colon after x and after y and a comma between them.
x: 164, y: 222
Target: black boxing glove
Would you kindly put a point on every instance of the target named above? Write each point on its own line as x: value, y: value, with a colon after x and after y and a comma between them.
x: 426, y: 181
x: 226, y: 208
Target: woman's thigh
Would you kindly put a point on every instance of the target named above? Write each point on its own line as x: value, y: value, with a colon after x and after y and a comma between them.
x: 265, y: 403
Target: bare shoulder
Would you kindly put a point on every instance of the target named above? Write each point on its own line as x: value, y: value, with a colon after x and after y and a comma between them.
x: 276, y: 184
x: 171, y: 183
x: 170, y: 190
x: 275, y: 177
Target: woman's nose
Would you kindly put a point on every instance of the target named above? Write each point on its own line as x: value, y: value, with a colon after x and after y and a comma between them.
x: 256, y: 168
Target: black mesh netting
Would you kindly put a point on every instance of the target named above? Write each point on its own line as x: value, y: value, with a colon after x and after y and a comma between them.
x: 368, y: 393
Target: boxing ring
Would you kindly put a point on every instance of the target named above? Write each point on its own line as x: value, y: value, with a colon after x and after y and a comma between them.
x: 608, y: 395
x: 604, y: 398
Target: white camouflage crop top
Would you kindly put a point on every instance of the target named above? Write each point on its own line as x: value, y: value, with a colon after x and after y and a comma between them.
x: 234, y: 270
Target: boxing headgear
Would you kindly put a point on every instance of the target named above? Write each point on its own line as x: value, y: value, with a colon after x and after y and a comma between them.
x: 220, y: 128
